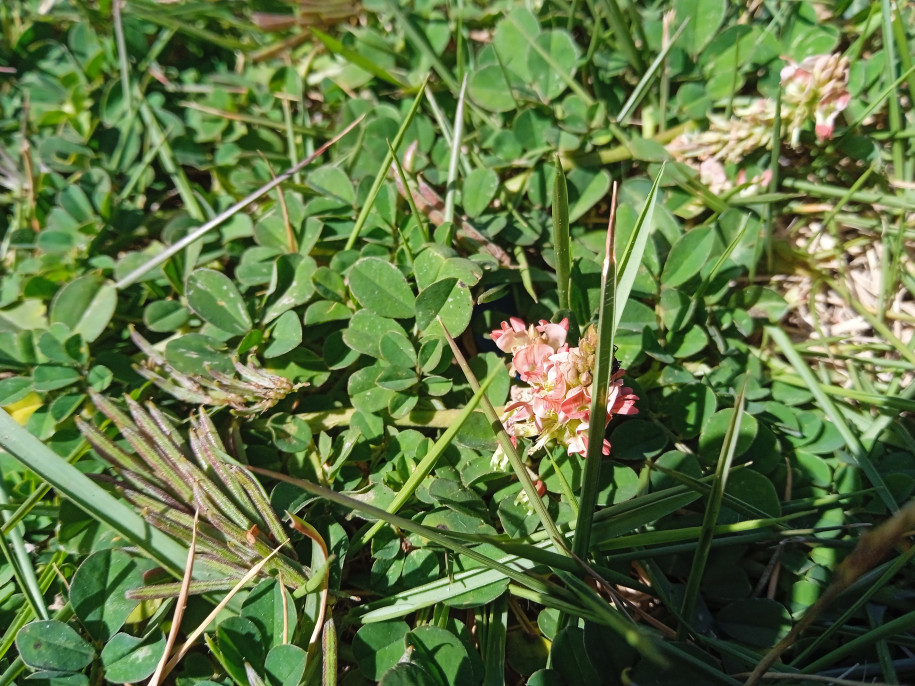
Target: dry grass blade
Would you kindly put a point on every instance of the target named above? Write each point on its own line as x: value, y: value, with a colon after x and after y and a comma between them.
x: 198, y: 632
x: 180, y: 606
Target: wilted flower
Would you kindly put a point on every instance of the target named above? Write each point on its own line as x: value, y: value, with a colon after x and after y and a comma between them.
x: 555, y: 405
x: 255, y: 391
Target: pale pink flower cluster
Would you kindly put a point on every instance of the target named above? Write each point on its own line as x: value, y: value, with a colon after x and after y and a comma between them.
x: 555, y: 405
x: 816, y: 88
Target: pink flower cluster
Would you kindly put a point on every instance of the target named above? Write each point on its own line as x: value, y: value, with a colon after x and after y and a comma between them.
x: 556, y: 403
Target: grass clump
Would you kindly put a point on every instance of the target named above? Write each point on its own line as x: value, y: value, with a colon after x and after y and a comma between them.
x: 260, y: 267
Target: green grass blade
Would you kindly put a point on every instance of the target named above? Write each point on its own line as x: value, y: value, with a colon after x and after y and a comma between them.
x: 856, y: 450
x: 494, y: 632
x: 624, y: 36
x: 353, y: 57
x: 631, y: 257
x: 13, y: 549
x: 202, y: 230
x: 458, y: 128
x: 600, y: 386
x: 709, y: 522
x: 382, y: 173
x: 91, y: 498
x: 641, y: 88
x: 427, y: 464
x: 561, y: 236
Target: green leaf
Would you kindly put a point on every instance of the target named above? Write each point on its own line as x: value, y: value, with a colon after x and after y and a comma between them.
x: 381, y: 288
x: 408, y: 674
x: 512, y: 38
x: 213, y: 296
x: 291, y: 434
x: 85, y: 305
x: 378, y: 647
x: 366, y: 331
x: 290, y: 285
x: 14, y: 389
x: 688, y: 255
x: 551, y: 73
x: 285, y: 665
x: 194, y: 353
x: 265, y: 607
x: 712, y: 437
x: 286, y: 335
x: 364, y: 391
x: 449, y: 299
x: 479, y: 189
x: 704, y: 20
x: 755, y: 490
x: 758, y: 622
x: 53, y: 645
x: 163, y: 316
x: 689, y: 407
x: 569, y: 657
x: 98, y: 588
x: 128, y: 659
x: 489, y: 89
x: 50, y: 377
x: 240, y: 642
x: 441, y: 654
x: 397, y: 349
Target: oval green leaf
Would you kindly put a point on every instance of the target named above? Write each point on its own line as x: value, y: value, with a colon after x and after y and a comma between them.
x: 129, y: 660
x: 449, y: 299
x: 381, y: 288
x: 478, y: 191
x: 85, y: 305
x: 213, y: 296
x: 97, y: 592
x: 53, y: 645
x: 687, y: 256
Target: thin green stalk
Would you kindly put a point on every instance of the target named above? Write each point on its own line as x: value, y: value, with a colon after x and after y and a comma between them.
x: 561, y: 236
x: 624, y: 36
x: 600, y: 386
x: 427, y: 464
x: 329, y: 650
x: 642, y: 87
x: 353, y: 57
x: 709, y: 522
x: 382, y: 173
x: 509, y: 449
x: 891, y: 628
x: 414, y: 210
x: 895, y: 114
x: 13, y: 549
x: 122, y: 56
x: 494, y: 632
x: 169, y: 164
x: 458, y: 128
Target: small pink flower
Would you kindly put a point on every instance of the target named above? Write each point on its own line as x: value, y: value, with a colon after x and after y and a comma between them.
x: 509, y: 337
x: 554, y: 335
x: 555, y: 405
